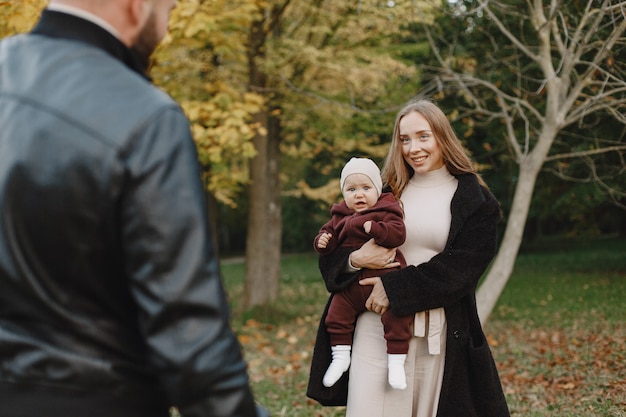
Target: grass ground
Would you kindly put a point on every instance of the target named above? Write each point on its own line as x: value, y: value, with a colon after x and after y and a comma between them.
x: 558, y: 333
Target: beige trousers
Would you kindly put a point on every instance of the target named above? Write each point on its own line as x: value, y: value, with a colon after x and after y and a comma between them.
x: 369, y: 394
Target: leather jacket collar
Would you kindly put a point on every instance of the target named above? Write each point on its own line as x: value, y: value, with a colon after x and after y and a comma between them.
x: 62, y: 25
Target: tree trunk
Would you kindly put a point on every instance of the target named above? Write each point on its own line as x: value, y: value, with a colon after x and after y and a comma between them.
x: 502, y: 267
x: 213, y: 210
x: 264, y: 212
x: 264, y: 221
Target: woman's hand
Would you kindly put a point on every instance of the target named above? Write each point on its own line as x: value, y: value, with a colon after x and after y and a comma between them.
x: 373, y: 256
x: 377, y: 301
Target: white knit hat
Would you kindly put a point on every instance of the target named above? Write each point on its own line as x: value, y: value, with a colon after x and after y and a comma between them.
x: 363, y: 166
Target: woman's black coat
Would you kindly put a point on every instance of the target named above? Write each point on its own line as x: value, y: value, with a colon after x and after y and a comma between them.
x: 471, y: 385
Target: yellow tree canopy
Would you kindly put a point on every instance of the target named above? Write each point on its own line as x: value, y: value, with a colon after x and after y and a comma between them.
x: 17, y: 16
x: 202, y: 63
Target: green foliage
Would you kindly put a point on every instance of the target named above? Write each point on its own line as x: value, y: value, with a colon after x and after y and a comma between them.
x: 299, y: 230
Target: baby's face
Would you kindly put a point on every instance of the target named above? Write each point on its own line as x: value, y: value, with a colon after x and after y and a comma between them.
x: 359, y: 192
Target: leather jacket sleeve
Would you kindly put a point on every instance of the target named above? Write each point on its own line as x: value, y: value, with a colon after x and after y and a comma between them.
x: 174, y: 274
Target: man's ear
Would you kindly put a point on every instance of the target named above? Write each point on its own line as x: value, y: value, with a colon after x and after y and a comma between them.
x: 138, y: 11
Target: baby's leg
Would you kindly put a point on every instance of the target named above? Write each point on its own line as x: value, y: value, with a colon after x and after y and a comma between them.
x: 340, y: 320
x: 397, y: 335
x: 344, y: 308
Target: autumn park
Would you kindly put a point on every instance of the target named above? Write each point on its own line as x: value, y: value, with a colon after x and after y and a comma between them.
x: 281, y: 93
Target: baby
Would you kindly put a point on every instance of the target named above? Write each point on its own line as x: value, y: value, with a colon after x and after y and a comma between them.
x: 365, y: 213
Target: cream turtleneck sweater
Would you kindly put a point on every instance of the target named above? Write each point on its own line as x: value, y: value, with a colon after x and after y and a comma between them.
x: 426, y: 201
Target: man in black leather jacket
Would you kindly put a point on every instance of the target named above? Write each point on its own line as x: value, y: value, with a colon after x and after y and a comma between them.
x: 111, y: 301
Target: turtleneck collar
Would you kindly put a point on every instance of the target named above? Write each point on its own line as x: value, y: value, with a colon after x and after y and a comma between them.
x: 432, y: 178
x: 57, y: 24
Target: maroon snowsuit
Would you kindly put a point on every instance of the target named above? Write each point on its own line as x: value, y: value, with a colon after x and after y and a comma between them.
x: 346, y: 228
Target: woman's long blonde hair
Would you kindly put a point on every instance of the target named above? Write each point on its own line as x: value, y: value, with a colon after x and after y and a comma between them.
x: 396, y: 172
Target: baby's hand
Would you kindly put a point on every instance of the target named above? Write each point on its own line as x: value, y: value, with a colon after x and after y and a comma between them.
x: 367, y: 226
x: 322, y: 242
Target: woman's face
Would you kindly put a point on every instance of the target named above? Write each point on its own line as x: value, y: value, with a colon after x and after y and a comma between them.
x: 419, y: 146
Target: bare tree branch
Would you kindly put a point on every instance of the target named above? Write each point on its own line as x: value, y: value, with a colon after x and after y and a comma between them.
x: 484, y: 5
x: 589, y: 152
x: 602, y: 52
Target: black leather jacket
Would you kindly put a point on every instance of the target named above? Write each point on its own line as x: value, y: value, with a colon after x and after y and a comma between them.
x: 111, y: 301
